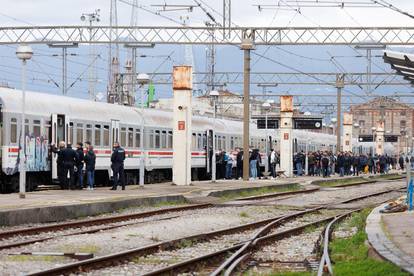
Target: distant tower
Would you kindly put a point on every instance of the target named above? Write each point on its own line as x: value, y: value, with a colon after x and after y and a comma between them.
x: 113, y: 56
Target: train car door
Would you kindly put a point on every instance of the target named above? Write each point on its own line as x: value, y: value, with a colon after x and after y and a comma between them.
x: 59, y: 133
x: 209, y: 149
x: 114, y: 132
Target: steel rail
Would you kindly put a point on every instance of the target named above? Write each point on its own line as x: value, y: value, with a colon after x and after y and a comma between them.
x: 145, y: 250
x: 97, y: 221
x: 115, y: 258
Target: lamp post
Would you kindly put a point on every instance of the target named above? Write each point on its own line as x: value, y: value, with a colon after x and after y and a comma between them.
x: 214, y: 95
x: 142, y: 80
x: 266, y: 106
x: 24, y: 53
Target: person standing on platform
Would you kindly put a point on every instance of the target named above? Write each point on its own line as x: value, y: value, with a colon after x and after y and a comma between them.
x: 69, y: 160
x: 355, y: 165
x: 239, y: 164
x: 60, y: 163
x: 79, y: 165
x: 90, y: 160
x: 117, y: 166
x: 273, y: 162
x: 401, y: 162
x: 341, y: 164
x: 253, y: 164
x: 325, y: 165
x: 229, y: 165
x: 311, y: 164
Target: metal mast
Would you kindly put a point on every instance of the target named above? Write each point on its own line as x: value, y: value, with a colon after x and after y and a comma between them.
x: 226, y: 18
x: 113, y: 56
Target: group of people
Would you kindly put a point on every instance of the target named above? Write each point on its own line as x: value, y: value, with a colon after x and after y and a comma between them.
x: 74, y: 164
x: 229, y: 165
x: 326, y: 163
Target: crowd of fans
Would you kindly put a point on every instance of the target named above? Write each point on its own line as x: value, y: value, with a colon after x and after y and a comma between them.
x: 229, y: 165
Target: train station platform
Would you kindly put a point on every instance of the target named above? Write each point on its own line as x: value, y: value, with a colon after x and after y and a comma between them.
x: 59, y: 205
x: 392, y: 237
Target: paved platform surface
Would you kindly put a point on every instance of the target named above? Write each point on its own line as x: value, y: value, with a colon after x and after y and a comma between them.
x: 100, y: 194
x: 58, y: 205
x: 392, y: 236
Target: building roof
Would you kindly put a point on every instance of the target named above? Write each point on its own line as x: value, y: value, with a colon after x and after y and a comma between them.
x: 386, y: 102
x: 402, y: 63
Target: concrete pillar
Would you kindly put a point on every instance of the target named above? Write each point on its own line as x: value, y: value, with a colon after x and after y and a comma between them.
x: 347, y: 137
x: 379, y: 140
x: 286, y: 139
x: 182, y: 86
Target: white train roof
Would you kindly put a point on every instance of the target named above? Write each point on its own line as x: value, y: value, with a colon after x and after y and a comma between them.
x: 43, y: 104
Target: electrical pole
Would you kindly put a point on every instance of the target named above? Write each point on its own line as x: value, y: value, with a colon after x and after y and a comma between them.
x: 246, y: 46
x: 339, y: 86
x: 92, y: 17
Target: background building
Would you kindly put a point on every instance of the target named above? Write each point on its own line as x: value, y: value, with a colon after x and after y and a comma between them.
x: 397, y: 117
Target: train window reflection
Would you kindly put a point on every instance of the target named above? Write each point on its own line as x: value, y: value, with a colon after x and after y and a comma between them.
x: 13, y: 130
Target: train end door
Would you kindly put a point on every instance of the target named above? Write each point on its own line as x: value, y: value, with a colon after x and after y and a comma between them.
x: 60, y: 132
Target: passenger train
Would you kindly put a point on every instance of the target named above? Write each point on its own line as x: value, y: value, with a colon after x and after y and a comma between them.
x: 52, y: 118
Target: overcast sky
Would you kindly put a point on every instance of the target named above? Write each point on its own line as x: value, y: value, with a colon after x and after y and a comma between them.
x: 45, y: 69
x: 62, y: 12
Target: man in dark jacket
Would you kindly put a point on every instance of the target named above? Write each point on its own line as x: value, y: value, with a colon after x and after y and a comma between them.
x: 59, y: 163
x: 90, y: 159
x: 69, y: 160
x: 401, y: 162
x: 325, y: 165
x: 79, y: 165
x: 117, y: 160
x: 341, y: 164
x: 239, y: 164
x: 355, y: 165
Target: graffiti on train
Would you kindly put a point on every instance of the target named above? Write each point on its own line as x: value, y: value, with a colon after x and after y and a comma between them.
x: 37, y: 155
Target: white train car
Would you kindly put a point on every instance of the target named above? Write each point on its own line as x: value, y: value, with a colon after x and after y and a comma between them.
x: 52, y: 118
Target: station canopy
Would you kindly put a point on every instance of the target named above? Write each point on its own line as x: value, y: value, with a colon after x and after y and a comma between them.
x: 402, y: 63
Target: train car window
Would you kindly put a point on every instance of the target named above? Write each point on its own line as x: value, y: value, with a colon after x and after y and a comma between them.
x: 157, y: 139
x: 130, y: 137
x: 151, y: 139
x: 199, y: 141
x: 204, y: 141
x: 88, y: 133
x: 123, y: 136
x: 79, y: 133
x: 36, y: 128
x: 26, y: 127
x: 231, y: 142
x: 106, y: 136
x: 137, y: 138
x: 13, y: 130
x: 193, y: 141
x: 97, y: 135
x: 170, y: 139
x: 70, y: 132
x: 46, y: 129
x: 163, y: 139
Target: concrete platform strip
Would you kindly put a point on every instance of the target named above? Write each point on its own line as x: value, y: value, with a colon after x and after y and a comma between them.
x: 383, y: 245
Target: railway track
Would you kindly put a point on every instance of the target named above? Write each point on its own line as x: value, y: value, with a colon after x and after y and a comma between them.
x: 120, y: 257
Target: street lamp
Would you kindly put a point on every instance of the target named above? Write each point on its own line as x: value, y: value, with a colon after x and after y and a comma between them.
x: 24, y: 53
x: 266, y: 106
x: 214, y: 95
x: 142, y: 80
